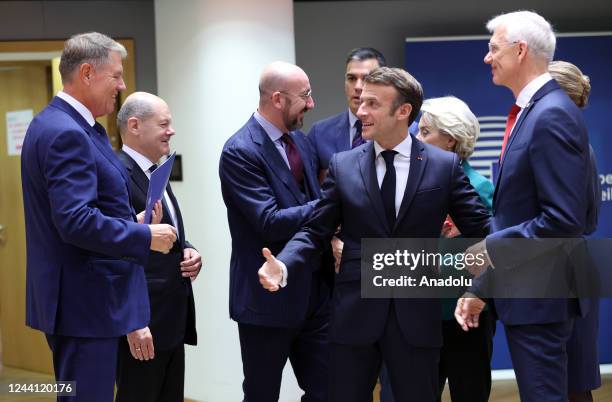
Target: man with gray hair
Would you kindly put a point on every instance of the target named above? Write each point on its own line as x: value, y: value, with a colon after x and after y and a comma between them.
x: 85, y: 250
x: 535, y: 197
x: 152, y: 359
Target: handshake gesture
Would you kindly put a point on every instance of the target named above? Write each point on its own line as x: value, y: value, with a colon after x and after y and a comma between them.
x: 271, y: 272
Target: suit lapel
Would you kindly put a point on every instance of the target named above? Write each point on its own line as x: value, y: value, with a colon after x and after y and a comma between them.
x: 179, y: 216
x: 100, y: 139
x: 367, y: 167
x: 418, y: 161
x: 548, y: 87
x: 138, y: 177
x: 311, y: 184
x: 343, y: 129
x: 273, y: 158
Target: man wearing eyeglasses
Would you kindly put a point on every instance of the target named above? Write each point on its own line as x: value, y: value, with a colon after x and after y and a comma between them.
x: 269, y: 186
x: 540, y: 193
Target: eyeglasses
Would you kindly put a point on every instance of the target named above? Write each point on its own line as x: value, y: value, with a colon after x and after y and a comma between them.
x: 304, y: 95
x: 496, y: 47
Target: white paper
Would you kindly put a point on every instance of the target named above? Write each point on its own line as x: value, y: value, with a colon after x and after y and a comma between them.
x: 17, y: 123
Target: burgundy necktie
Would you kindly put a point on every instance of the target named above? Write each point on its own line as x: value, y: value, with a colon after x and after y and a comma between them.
x: 357, y: 139
x: 295, y: 160
x: 514, y: 111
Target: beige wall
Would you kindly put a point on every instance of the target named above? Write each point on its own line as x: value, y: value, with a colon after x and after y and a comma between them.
x: 210, y: 55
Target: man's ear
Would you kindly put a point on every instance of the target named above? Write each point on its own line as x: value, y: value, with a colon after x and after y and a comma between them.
x: 86, y: 72
x: 277, y: 100
x: 403, y: 111
x: 133, y: 124
x: 523, y: 49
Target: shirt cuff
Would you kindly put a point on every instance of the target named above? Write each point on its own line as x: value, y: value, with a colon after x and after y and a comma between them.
x: 285, y: 275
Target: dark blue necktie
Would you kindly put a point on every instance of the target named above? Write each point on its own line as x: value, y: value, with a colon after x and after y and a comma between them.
x: 387, y: 189
x: 357, y: 139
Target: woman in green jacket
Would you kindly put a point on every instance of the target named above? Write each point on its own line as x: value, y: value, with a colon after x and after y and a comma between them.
x: 465, y: 357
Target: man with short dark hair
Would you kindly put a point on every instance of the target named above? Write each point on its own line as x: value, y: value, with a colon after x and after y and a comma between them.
x: 152, y: 360
x: 394, y: 186
x: 269, y: 185
x: 342, y: 132
x: 85, y: 251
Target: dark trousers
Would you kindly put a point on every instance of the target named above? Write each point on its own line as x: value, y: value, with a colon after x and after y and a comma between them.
x: 465, y: 360
x: 539, y: 358
x: 265, y: 351
x: 89, y: 362
x: 412, y: 371
x: 161, y: 379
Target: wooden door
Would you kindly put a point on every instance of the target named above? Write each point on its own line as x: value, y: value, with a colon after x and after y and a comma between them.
x: 23, y: 86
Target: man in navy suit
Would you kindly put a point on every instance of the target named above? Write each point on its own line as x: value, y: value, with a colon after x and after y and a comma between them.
x: 393, y: 186
x: 342, y: 132
x: 541, y: 192
x: 152, y: 360
x: 85, y: 285
x: 269, y: 185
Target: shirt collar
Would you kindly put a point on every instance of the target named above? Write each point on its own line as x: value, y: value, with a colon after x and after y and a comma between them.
x: 530, y: 89
x: 78, y: 106
x: 352, y: 119
x: 142, y: 161
x: 273, y: 132
x: 404, y: 148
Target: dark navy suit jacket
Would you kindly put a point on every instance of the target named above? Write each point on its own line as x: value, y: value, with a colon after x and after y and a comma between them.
x: 541, y: 192
x: 265, y: 208
x: 85, y: 251
x: 330, y: 136
x: 170, y: 295
x: 351, y: 197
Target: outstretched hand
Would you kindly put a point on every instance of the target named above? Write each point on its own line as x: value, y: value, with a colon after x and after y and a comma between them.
x: 271, y: 272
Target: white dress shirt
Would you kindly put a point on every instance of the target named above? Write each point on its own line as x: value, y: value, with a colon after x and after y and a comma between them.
x: 275, y: 135
x: 78, y: 106
x: 401, y: 162
x: 524, y: 97
x: 145, y: 164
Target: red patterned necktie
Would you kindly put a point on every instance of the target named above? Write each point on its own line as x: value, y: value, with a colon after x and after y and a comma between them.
x: 514, y: 111
x: 357, y: 139
x: 295, y: 160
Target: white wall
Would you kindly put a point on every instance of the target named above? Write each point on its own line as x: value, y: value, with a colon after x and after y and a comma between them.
x: 209, y: 57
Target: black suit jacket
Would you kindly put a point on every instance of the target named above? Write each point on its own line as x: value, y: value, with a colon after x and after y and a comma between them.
x: 170, y: 295
x: 436, y: 187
